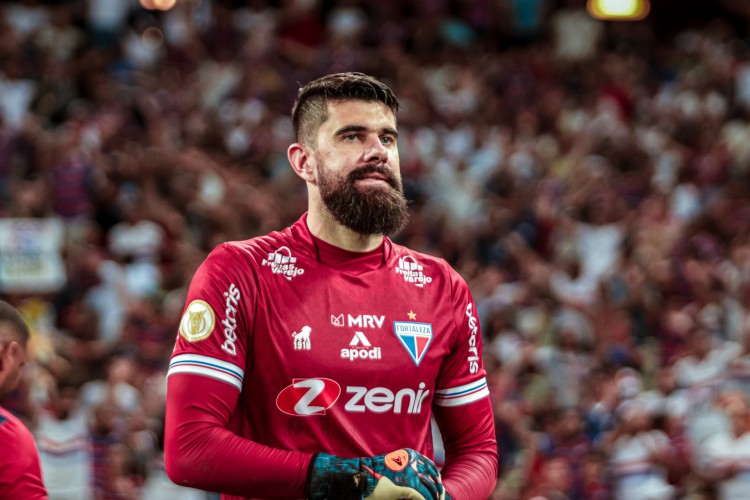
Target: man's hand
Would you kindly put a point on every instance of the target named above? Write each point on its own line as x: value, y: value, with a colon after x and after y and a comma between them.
x: 402, y: 473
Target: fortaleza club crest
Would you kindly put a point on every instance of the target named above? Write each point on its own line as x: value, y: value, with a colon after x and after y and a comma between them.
x: 415, y: 337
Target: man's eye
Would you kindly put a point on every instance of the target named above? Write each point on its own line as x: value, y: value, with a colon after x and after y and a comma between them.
x: 387, y: 140
x: 350, y: 137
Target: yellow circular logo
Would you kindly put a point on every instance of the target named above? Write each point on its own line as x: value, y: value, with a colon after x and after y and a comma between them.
x: 197, y: 322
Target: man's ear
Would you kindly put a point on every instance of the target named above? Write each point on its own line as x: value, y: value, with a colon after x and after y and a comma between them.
x: 302, y: 159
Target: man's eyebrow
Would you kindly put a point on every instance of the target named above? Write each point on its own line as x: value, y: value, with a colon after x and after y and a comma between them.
x: 347, y: 129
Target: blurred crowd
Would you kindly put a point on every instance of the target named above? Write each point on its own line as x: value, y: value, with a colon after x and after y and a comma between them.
x: 589, y: 180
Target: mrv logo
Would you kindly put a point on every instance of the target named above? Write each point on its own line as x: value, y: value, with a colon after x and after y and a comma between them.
x: 360, y: 348
x: 358, y: 321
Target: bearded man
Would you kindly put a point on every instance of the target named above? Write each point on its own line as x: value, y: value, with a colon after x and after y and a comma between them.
x: 310, y: 362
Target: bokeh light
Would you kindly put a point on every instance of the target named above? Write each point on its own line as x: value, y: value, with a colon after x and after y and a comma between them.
x: 158, y: 4
x: 622, y: 10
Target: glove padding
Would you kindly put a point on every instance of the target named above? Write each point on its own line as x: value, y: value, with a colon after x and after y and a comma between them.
x: 402, y: 473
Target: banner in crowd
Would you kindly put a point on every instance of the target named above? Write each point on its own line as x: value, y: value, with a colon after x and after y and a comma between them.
x: 30, y: 255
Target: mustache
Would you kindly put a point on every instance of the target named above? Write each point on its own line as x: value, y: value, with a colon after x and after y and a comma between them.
x: 361, y: 172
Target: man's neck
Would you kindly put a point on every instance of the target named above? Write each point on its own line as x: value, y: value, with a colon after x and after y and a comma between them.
x: 323, y: 226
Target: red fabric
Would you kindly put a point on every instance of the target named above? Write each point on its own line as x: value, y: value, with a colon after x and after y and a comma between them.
x: 200, y: 452
x: 20, y: 472
x: 471, y: 465
x: 289, y: 343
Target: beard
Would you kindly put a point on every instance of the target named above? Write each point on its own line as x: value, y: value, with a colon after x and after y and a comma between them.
x: 372, y: 210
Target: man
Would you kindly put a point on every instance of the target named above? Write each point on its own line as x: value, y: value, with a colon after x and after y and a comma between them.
x: 724, y: 457
x: 20, y: 473
x: 310, y: 361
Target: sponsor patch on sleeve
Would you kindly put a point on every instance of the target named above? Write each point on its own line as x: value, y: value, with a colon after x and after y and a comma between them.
x: 197, y: 322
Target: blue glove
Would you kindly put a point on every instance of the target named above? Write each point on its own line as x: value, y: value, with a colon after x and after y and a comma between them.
x: 402, y: 473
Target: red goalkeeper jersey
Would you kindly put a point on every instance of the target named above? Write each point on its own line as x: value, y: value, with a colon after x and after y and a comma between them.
x: 315, y: 348
x: 20, y: 472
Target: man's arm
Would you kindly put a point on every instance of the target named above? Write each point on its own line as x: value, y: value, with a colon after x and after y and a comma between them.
x: 471, y: 458
x: 462, y: 406
x: 200, y: 452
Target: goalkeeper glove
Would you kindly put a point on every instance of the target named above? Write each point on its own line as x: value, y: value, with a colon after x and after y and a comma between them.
x: 403, y: 473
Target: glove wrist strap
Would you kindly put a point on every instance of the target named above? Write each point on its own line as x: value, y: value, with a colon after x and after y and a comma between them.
x: 332, y: 478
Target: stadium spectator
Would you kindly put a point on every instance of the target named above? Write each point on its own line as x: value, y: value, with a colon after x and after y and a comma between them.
x: 62, y: 433
x: 723, y: 459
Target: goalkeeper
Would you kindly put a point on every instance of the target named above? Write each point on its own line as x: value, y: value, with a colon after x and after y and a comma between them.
x: 314, y: 361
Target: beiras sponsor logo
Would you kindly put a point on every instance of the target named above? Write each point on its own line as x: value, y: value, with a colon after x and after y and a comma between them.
x: 412, y: 271
x: 232, y: 299
x: 314, y: 396
x: 282, y: 262
x: 473, y: 357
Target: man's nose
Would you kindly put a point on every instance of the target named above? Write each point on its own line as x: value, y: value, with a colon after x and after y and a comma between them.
x: 375, y: 150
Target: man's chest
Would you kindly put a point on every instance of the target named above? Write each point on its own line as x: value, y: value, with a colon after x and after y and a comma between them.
x: 372, y: 337
x: 334, y: 316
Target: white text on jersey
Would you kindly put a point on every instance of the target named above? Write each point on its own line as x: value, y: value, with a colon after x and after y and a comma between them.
x: 308, y: 397
x: 412, y: 271
x: 229, y: 322
x: 358, y: 348
x: 365, y: 321
x: 473, y: 357
x: 382, y: 399
x: 281, y: 262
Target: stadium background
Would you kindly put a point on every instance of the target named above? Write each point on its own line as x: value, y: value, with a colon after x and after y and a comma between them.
x: 589, y: 179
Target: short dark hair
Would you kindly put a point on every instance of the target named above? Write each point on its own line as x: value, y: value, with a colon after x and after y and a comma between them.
x: 310, y: 109
x: 9, y: 315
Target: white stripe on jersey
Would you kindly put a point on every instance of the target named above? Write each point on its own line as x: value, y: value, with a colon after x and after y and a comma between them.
x: 209, y: 367
x: 464, y: 394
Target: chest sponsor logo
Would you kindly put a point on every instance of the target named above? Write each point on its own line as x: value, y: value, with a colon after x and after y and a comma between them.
x: 231, y: 300
x: 302, y: 339
x: 197, y: 321
x: 358, y: 321
x: 473, y: 324
x: 412, y: 271
x: 360, y: 348
x: 282, y: 262
x: 415, y: 337
x: 308, y: 396
x: 314, y: 396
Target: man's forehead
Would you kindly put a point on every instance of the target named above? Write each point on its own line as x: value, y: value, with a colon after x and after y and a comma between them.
x: 8, y: 332
x: 345, y: 109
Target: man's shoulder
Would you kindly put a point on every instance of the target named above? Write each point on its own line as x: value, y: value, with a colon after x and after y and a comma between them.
x: 400, y: 251
x: 258, y: 247
x: 405, y: 257
x: 11, y: 428
x: 6, y: 417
